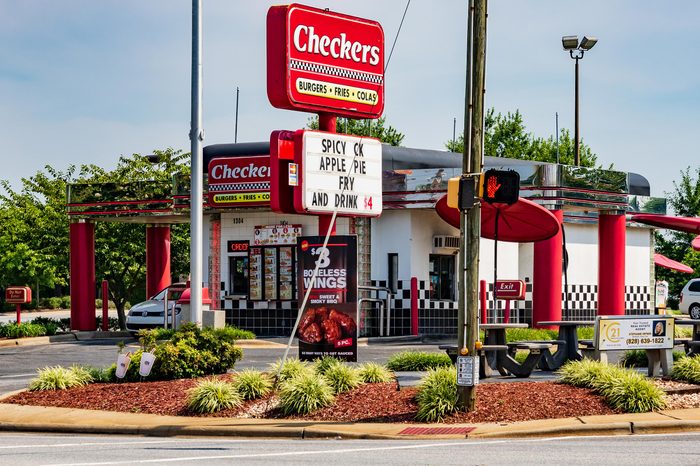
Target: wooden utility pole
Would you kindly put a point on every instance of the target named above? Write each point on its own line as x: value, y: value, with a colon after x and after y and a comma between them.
x: 470, y: 224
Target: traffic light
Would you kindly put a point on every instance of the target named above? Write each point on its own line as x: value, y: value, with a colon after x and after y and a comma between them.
x: 500, y: 186
x: 460, y: 192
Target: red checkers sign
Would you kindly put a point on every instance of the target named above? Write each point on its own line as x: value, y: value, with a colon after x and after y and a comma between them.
x: 239, y: 181
x: 322, y: 61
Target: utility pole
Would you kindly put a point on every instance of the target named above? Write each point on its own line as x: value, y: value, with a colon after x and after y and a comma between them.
x: 235, y: 132
x: 472, y: 163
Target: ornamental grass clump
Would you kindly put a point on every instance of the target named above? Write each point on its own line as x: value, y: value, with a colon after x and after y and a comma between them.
x: 212, y: 395
x: 623, y: 389
x: 687, y: 369
x: 252, y: 384
x: 305, y: 393
x: 321, y: 365
x: 293, y: 367
x: 437, y: 394
x: 631, y: 392
x: 417, y: 361
x: 59, y: 378
x: 525, y: 334
x: 371, y: 372
x: 342, y: 377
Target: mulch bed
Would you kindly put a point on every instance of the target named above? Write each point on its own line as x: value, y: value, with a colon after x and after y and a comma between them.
x: 382, y: 402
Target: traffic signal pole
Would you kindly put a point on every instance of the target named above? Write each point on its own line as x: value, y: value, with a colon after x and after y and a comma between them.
x: 470, y: 224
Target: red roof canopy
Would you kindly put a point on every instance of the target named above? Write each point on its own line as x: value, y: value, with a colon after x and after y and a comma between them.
x: 663, y: 261
x: 686, y: 224
x: 522, y: 222
x: 695, y: 244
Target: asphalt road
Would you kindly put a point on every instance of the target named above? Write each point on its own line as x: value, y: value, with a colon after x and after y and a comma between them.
x: 32, y: 449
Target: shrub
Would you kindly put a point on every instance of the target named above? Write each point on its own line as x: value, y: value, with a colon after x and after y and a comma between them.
x: 102, y: 375
x: 53, y: 303
x: 59, y: 378
x: 585, y: 333
x: 193, y: 352
x: 293, y: 367
x: 252, y: 384
x: 2, y: 329
x: 523, y: 334
x: 371, y: 372
x: 342, y: 377
x: 231, y: 333
x: 638, y: 358
x: 51, y: 326
x: 112, y: 323
x: 623, y: 389
x: 23, y: 330
x: 687, y: 369
x: 305, y: 393
x: 210, y: 396
x: 323, y: 364
x: 682, y: 331
x: 417, y: 361
x: 163, y: 333
x: 437, y: 394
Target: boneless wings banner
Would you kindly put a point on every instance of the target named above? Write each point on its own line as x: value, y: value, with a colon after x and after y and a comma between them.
x: 328, y: 326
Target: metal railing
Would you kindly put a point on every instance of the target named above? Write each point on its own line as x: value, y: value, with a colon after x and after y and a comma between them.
x: 384, y: 304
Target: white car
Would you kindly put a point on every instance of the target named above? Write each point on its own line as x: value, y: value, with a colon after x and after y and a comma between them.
x: 149, y: 314
x: 690, y: 299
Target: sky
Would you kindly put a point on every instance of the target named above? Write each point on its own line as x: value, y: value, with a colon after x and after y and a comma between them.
x: 85, y: 81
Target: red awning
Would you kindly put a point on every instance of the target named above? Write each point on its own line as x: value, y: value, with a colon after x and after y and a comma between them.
x: 695, y: 244
x: 522, y: 222
x: 663, y: 261
x: 686, y: 224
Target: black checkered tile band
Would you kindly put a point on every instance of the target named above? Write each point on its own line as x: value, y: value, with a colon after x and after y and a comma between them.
x: 229, y: 187
x: 335, y: 71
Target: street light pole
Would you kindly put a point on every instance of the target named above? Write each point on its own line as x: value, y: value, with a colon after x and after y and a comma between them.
x: 577, y: 154
x: 576, y: 50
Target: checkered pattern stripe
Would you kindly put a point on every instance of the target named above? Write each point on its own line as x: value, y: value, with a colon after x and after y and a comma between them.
x: 260, y: 186
x: 638, y: 298
x: 335, y: 71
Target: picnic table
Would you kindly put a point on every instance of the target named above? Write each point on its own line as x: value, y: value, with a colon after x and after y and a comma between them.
x: 692, y: 347
x: 503, y: 361
x: 567, y: 343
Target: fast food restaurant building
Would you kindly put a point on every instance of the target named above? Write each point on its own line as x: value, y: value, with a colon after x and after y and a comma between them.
x: 250, y: 256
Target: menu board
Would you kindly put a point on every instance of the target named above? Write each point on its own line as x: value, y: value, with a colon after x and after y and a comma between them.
x: 270, y: 273
x: 286, y: 282
x: 276, y: 234
x: 256, y: 273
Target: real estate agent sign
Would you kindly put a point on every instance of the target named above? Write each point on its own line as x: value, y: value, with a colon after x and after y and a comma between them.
x: 328, y: 326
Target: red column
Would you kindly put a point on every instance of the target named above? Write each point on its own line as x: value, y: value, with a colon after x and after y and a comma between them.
x: 82, y: 276
x: 611, y: 264
x: 157, y: 258
x: 546, y: 277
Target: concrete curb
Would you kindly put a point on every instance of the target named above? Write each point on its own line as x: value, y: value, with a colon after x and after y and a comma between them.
x: 614, y: 428
x: 663, y: 427
x: 100, y: 335
x: 34, y: 341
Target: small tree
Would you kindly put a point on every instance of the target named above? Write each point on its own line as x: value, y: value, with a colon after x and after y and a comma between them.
x: 370, y: 128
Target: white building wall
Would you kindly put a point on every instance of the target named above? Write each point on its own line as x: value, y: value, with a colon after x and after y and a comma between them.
x: 582, y: 245
x: 391, y: 233
x: 638, y: 261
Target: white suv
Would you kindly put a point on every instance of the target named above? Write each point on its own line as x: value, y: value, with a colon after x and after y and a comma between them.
x: 690, y: 299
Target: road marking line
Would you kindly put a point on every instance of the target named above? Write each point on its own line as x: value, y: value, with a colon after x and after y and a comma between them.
x: 272, y: 455
x: 17, y: 375
x: 89, y: 444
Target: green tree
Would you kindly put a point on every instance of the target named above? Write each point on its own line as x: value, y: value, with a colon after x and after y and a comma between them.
x: 120, y: 253
x: 370, y: 128
x: 506, y: 136
x: 34, y: 237
x: 685, y: 202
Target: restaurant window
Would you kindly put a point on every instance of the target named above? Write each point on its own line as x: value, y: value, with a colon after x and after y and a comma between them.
x: 393, y: 276
x: 441, y: 272
x: 272, y: 274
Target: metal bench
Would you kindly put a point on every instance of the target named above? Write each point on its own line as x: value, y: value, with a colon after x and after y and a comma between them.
x: 547, y: 362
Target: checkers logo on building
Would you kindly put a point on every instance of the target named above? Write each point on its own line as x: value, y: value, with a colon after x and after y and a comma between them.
x: 321, y: 61
x: 243, y: 181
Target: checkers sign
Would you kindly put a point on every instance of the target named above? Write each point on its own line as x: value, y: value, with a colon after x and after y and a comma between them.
x: 322, y: 61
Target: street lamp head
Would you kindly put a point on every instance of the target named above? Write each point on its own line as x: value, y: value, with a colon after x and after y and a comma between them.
x: 570, y: 42
x: 587, y: 43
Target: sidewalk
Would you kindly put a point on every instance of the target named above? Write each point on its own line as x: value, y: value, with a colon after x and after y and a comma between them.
x: 16, y: 418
